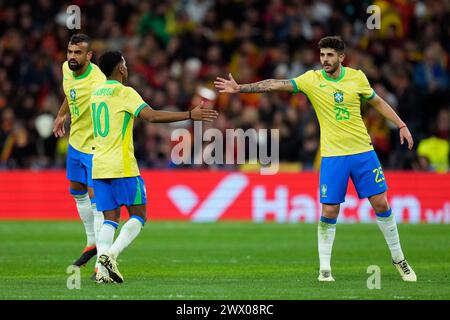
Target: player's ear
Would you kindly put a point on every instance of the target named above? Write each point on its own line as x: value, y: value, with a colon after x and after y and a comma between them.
x: 89, y: 55
x: 121, y: 68
x: 341, y: 57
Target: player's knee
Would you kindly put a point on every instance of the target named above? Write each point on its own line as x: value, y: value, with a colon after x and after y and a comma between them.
x: 78, y: 186
x: 379, y: 203
x: 330, y: 211
x: 139, y: 212
x: 381, y: 206
x: 111, y: 215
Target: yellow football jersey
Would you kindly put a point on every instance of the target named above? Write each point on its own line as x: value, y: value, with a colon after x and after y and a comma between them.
x: 114, y: 107
x: 337, y: 103
x: 78, y: 91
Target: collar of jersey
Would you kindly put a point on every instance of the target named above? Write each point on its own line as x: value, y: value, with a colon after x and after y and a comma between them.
x: 112, y: 82
x: 85, y: 74
x: 331, y: 79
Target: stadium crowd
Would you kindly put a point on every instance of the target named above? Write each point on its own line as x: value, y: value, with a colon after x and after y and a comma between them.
x: 175, y: 48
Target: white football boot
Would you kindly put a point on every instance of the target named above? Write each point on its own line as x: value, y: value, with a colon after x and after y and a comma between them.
x: 102, y: 275
x: 111, y: 265
x: 325, y: 276
x: 405, y: 271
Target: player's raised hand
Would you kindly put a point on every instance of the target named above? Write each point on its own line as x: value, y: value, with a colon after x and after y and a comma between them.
x: 406, y: 135
x: 200, y: 113
x: 227, y: 86
x: 58, y: 126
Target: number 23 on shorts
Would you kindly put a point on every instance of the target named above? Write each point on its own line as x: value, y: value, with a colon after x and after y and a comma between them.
x: 379, y: 175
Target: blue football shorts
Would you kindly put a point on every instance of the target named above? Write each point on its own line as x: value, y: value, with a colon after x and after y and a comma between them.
x: 79, y: 166
x: 114, y: 193
x: 364, y: 169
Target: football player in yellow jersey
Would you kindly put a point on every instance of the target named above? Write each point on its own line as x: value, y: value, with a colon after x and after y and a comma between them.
x: 80, y: 76
x: 117, y: 181
x: 346, y: 149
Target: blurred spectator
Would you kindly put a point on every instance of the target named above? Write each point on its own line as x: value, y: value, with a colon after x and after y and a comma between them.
x: 443, y: 124
x: 17, y: 148
x: 174, y: 47
x: 422, y: 163
x: 436, y: 150
x: 431, y: 75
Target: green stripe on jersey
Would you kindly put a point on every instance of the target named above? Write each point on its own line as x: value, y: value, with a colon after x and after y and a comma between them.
x: 126, y: 119
x: 142, y: 106
x: 372, y: 95
x: 295, y: 86
x: 85, y: 74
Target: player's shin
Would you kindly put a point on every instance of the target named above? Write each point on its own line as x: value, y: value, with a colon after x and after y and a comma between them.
x: 98, y: 219
x: 104, y: 242
x: 128, y: 233
x: 98, y: 222
x: 388, y: 226
x: 85, y: 211
x: 325, y: 233
x: 106, y: 236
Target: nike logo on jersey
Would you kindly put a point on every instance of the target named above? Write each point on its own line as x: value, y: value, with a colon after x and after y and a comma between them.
x: 322, y: 85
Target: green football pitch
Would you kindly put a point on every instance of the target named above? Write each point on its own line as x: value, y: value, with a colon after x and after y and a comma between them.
x: 226, y: 260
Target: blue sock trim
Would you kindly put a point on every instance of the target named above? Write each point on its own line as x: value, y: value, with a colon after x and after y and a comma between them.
x: 384, y: 214
x: 112, y: 223
x: 328, y: 220
x: 93, y: 201
x: 76, y: 192
x: 139, y: 219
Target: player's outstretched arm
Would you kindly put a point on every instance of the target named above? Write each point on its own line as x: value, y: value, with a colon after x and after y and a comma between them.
x: 386, y: 110
x: 199, y: 113
x: 58, y: 125
x: 231, y: 86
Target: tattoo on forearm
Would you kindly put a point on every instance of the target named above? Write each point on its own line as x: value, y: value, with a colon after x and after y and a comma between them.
x: 263, y: 86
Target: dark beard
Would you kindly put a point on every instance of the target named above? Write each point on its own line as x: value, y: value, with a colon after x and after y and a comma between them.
x: 73, y: 67
x: 334, y: 68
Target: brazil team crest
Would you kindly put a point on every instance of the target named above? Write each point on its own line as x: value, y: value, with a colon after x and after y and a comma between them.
x: 323, y: 190
x: 73, y: 94
x: 339, y: 97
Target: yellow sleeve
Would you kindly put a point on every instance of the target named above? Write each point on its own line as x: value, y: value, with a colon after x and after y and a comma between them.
x: 301, y: 83
x: 133, y: 102
x: 65, y: 69
x: 365, y: 90
x: 98, y: 78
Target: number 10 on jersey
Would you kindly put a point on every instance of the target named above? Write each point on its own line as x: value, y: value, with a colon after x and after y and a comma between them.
x: 97, y: 113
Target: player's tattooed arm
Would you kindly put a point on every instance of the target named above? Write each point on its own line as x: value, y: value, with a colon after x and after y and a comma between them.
x: 231, y: 86
x: 266, y: 86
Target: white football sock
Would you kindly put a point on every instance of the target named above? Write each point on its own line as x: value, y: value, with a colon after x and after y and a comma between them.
x: 106, y: 236
x: 86, y: 215
x: 128, y: 233
x: 387, y: 224
x: 98, y: 222
x: 325, y: 234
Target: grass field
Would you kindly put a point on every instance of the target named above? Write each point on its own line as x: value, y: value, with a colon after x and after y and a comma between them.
x: 176, y: 260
